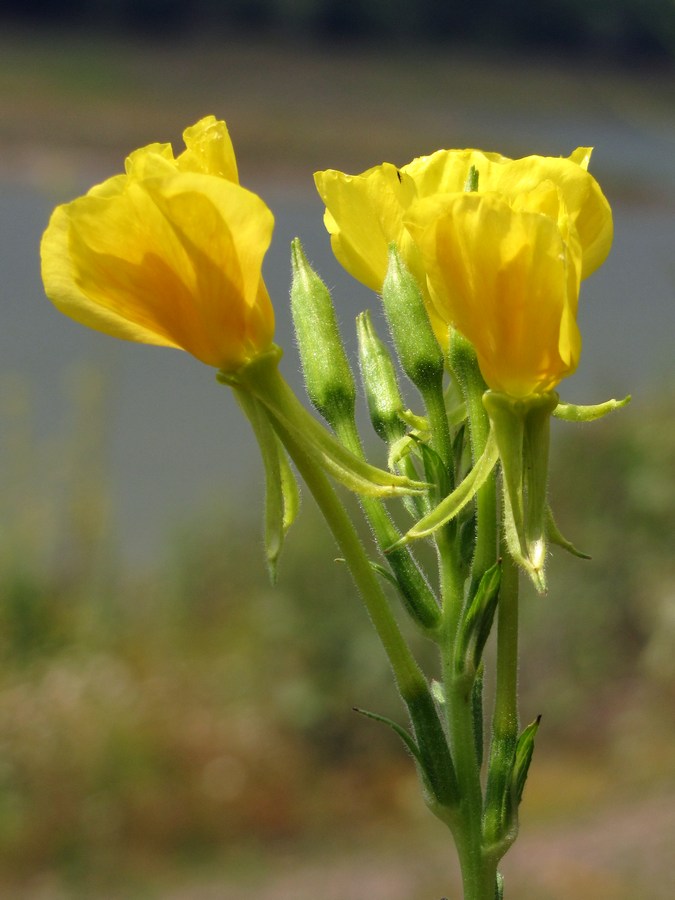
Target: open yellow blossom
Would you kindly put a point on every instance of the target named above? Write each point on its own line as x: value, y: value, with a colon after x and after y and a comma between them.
x: 507, y: 276
x: 531, y: 201
x: 170, y: 253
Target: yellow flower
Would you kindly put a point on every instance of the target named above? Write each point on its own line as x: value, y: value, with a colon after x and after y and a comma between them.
x: 170, y: 253
x: 501, y: 264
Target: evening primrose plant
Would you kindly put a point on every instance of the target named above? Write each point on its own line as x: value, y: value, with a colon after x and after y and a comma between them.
x: 478, y: 260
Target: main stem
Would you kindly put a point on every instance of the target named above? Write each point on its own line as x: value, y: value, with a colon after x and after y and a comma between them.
x: 478, y: 870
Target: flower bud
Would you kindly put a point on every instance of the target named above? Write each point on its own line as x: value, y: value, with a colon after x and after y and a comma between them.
x: 416, y: 345
x: 379, y: 382
x: 328, y: 376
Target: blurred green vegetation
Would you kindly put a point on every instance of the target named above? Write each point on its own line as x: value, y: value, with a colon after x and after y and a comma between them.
x: 193, y: 712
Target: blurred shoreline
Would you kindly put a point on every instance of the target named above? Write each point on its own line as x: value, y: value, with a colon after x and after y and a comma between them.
x: 73, y: 106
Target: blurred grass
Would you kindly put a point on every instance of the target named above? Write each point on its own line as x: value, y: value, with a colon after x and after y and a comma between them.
x: 192, y: 725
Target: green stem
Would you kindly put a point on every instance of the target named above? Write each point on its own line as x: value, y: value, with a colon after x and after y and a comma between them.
x: 434, y: 401
x: 501, y: 822
x: 478, y: 870
x: 415, y: 589
x: 435, y: 756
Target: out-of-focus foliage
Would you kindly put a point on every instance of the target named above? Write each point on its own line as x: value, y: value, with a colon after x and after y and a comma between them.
x: 183, y: 713
x: 623, y: 28
x: 603, y: 644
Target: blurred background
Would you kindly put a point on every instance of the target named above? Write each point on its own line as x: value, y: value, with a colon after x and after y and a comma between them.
x: 172, y: 726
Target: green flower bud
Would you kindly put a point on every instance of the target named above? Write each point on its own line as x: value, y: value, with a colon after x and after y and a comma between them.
x: 328, y: 376
x: 418, y: 350
x: 379, y: 381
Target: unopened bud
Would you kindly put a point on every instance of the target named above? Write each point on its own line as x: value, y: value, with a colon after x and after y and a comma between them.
x: 418, y: 350
x: 328, y: 376
x: 379, y: 382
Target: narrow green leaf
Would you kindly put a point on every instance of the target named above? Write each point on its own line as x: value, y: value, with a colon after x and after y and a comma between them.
x: 400, y: 731
x: 477, y: 621
x: 523, y: 758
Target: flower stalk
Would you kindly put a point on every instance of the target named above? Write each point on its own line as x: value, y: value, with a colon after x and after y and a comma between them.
x: 478, y: 260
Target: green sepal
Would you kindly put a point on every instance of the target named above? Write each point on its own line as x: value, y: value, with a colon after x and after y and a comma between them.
x: 398, y: 729
x: 262, y: 378
x: 499, y: 886
x: 522, y: 760
x: 282, y: 497
x: 521, y: 428
x: 555, y: 537
x: 455, y: 502
x: 571, y: 412
x: 477, y: 620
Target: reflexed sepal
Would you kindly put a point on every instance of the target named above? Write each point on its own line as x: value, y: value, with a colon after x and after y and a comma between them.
x: 454, y: 503
x: 328, y: 376
x: 555, y: 537
x: 570, y: 412
x: 282, y: 497
x: 521, y: 428
x: 477, y: 621
x: 262, y: 378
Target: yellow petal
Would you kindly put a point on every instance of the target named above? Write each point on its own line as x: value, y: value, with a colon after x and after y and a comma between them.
x: 586, y: 204
x: 61, y: 282
x: 209, y: 150
x: 446, y: 171
x: 175, y: 262
x: 364, y: 216
x: 507, y: 281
